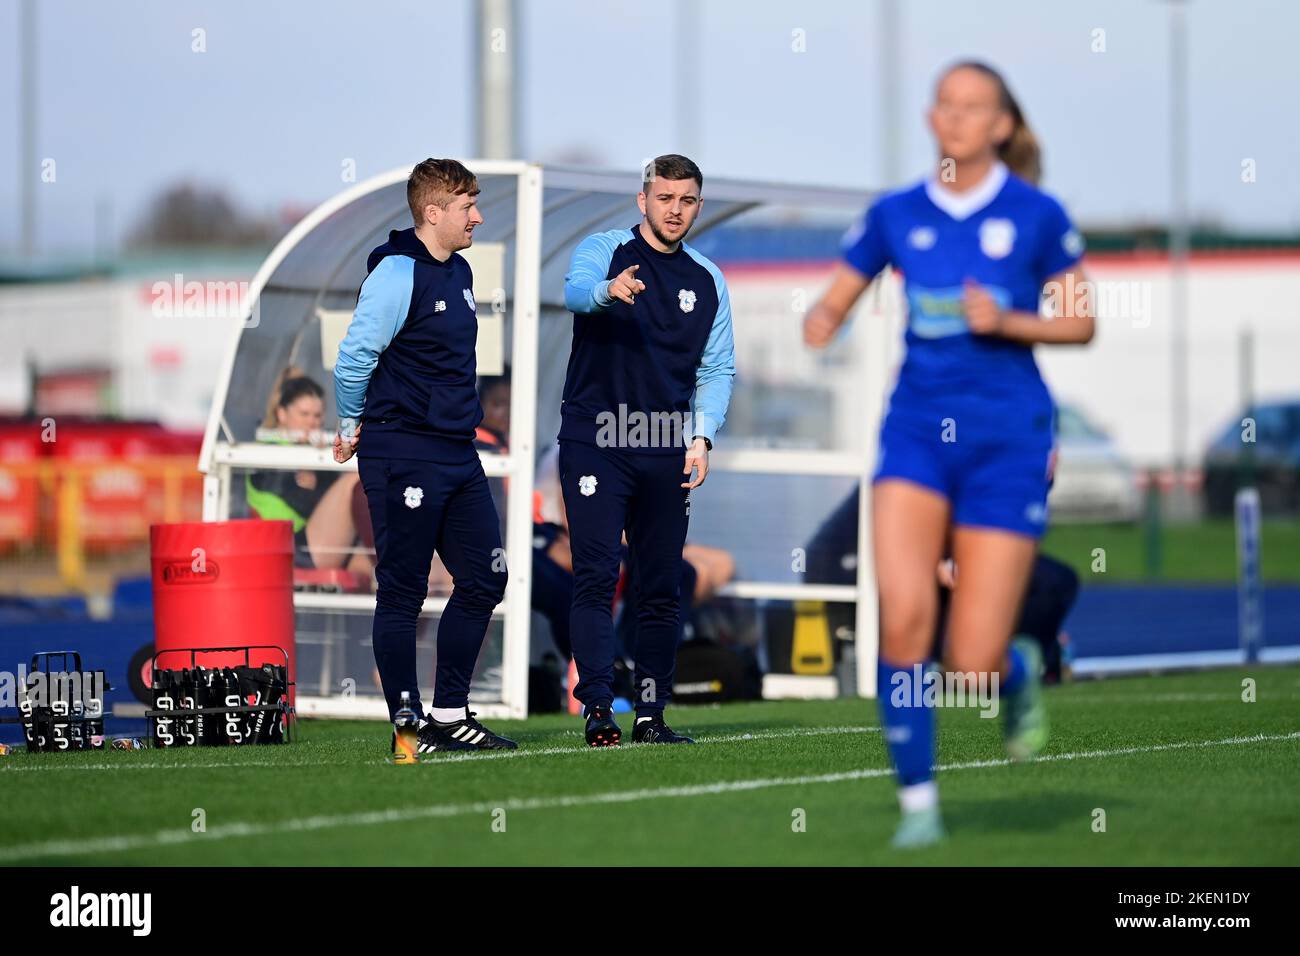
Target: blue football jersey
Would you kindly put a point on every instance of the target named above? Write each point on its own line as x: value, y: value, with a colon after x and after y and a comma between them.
x: 1004, y: 234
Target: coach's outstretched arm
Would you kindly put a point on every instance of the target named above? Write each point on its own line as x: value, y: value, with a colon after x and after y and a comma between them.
x: 586, y: 289
x: 381, y: 310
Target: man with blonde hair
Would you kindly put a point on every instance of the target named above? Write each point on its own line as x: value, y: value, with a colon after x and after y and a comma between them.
x: 406, y: 377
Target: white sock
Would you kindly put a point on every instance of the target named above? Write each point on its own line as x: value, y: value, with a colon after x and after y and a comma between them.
x: 447, y: 715
x: 919, y: 796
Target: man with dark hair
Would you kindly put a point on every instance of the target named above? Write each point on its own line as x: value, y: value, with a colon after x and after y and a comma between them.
x: 406, y: 375
x: 651, y: 331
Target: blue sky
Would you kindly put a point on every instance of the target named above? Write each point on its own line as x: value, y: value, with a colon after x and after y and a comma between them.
x: 287, y: 91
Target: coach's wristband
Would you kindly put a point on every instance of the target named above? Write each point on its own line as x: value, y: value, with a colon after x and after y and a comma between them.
x: 708, y: 445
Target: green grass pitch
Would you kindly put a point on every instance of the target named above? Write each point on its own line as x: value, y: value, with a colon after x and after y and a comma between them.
x: 1205, y: 551
x: 1185, y: 771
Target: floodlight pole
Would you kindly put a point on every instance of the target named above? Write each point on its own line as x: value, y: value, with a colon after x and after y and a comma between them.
x: 890, y: 84
x: 687, y: 18
x: 1179, y: 239
x: 496, y: 46
x: 27, y: 165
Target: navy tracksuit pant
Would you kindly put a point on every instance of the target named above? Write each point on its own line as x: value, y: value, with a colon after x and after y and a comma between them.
x: 607, y: 491
x: 418, y: 507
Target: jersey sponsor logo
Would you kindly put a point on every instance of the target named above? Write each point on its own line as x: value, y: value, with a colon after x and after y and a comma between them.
x: 938, y: 313
x: 587, y: 485
x: 413, y: 496
x: 922, y: 237
x: 686, y: 298
x: 997, y: 236
x: 440, y: 306
x: 469, y: 299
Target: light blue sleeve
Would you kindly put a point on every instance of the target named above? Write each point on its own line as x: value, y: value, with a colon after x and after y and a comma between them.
x: 585, y: 287
x: 718, y: 363
x: 381, y: 311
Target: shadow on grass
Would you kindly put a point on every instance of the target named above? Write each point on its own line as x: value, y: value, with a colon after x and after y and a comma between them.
x: 1027, y: 812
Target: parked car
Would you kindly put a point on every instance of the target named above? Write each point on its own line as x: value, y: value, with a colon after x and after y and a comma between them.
x: 1094, y: 482
x: 1276, y: 459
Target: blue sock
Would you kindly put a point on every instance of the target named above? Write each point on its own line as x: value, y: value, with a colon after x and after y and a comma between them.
x: 907, y: 724
x: 1016, y: 671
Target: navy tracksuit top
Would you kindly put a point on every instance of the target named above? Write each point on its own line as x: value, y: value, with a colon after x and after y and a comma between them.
x: 652, y: 357
x: 406, y: 367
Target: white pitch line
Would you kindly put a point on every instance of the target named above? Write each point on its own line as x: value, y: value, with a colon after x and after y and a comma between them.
x: 726, y: 739
x: 256, y: 765
x: 435, y: 758
x: 119, y: 844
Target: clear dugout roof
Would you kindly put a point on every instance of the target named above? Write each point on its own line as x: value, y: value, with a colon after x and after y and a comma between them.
x: 321, y: 263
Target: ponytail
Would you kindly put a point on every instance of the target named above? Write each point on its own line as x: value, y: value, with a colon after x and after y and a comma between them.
x: 1020, y: 151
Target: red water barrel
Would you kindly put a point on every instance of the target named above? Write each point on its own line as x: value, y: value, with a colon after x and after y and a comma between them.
x: 223, y: 584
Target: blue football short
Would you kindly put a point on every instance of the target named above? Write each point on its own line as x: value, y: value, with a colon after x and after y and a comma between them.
x: 991, y: 480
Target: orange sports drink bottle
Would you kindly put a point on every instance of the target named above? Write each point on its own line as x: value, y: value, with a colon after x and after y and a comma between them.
x: 404, y: 728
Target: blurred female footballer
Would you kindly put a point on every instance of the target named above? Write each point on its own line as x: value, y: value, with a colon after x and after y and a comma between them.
x: 967, y: 442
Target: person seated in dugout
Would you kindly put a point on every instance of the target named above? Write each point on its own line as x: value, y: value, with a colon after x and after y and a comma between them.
x: 494, y: 397
x: 1053, y: 588
x: 317, y: 503
x: 1053, y: 585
